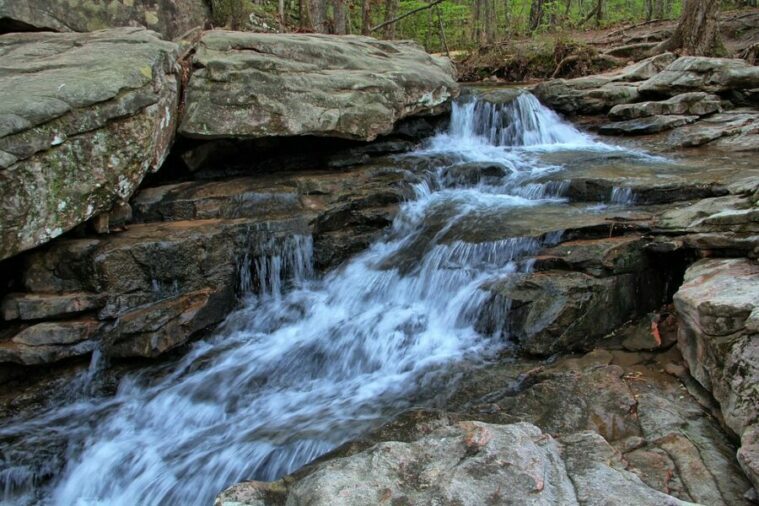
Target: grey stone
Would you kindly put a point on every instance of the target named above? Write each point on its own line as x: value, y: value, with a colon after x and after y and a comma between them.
x: 646, y: 125
x: 249, y: 85
x: 718, y: 305
x: 96, y: 116
x: 688, y: 104
x: 171, y: 18
x: 698, y: 73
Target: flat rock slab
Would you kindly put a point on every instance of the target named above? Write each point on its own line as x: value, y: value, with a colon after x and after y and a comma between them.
x: 83, y: 117
x: 643, y: 126
x: 170, y: 18
x: 605, y: 177
x: 250, y: 85
x: 688, y: 104
x: 463, y: 463
x: 734, y: 130
x: 698, y: 73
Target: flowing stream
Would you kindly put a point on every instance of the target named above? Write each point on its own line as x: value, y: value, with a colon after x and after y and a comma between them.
x: 310, y: 362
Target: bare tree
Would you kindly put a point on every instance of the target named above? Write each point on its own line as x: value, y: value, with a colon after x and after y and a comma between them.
x: 697, y: 33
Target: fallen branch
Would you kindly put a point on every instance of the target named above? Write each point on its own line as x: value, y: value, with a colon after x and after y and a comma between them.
x: 409, y: 13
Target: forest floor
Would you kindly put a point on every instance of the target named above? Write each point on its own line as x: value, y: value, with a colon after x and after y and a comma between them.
x: 575, y: 53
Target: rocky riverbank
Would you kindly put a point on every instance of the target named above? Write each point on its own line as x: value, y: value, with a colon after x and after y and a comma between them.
x: 143, y: 202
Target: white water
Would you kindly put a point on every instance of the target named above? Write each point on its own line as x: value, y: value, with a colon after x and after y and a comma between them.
x: 307, y: 363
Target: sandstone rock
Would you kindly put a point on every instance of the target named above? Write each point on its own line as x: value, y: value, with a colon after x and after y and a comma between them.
x: 734, y: 130
x: 153, y: 329
x: 697, y: 73
x: 171, y: 18
x: 83, y: 117
x: 666, y: 436
x: 734, y: 213
x: 465, y: 463
x: 32, y: 306
x: 646, y: 125
x: 585, y: 95
x: 685, y: 104
x: 555, y: 311
x: 718, y: 305
x: 599, y: 93
x: 50, y: 342
x: 250, y: 85
x: 159, y: 284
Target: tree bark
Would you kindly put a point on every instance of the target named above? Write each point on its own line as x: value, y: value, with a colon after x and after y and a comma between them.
x: 366, y: 17
x: 697, y: 33
x: 536, y: 14
x: 391, y: 11
x: 339, y: 15
x: 490, y: 21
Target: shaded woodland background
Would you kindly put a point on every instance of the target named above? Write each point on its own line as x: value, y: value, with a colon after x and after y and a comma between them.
x: 451, y: 25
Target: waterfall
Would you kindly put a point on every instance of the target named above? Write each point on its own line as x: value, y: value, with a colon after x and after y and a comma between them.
x: 308, y: 362
x: 522, y: 121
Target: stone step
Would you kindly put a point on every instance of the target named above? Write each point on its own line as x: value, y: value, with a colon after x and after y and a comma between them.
x: 37, y: 306
x: 48, y: 342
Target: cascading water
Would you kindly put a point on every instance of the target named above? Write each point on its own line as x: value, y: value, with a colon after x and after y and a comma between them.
x: 310, y: 363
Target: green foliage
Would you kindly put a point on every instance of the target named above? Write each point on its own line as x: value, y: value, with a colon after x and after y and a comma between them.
x: 512, y: 17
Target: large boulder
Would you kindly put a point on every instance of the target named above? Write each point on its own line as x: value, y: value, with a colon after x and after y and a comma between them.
x: 718, y: 305
x: 465, y: 463
x: 698, y: 73
x: 83, y: 118
x: 171, y: 18
x: 249, y: 85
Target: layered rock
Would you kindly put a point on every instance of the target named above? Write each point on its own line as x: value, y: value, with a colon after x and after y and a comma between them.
x: 621, y: 428
x: 597, y: 94
x: 718, y: 305
x: 579, y: 292
x: 697, y: 73
x: 171, y: 18
x: 176, y: 272
x: 463, y: 463
x: 685, y: 104
x: 83, y: 118
x: 248, y: 85
x: 642, y: 126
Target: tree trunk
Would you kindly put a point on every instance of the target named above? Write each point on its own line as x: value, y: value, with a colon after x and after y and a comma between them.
x: 536, y: 14
x: 490, y: 21
x: 477, y: 22
x: 318, y: 11
x: 366, y: 17
x: 305, y: 14
x: 391, y: 11
x: 339, y: 14
x: 697, y: 33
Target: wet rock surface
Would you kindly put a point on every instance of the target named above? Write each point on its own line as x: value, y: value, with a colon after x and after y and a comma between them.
x: 248, y: 85
x: 688, y: 101
x: 593, y: 426
x: 83, y: 118
x: 717, y: 304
